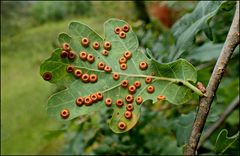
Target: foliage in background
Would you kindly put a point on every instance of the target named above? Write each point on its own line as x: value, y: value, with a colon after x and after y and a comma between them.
x: 80, y: 137
x: 57, y: 10
x: 10, y: 20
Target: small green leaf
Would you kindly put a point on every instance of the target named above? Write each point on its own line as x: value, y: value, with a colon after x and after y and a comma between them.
x: 223, y: 142
x: 171, y: 80
x: 183, y: 128
x: 187, y: 27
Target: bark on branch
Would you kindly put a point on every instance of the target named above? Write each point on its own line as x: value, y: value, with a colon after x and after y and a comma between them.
x: 230, y: 44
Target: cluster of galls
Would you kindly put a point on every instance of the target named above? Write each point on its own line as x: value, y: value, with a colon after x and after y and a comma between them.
x: 83, y: 76
x: 103, y: 66
x: 67, y: 52
x: 130, y: 98
x: 87, y: 101
x: 137, y: 84
x: 84, y: 56
x: 121, y: 31
x: 123, y: 60
x: 90, y: 99
x: 96, y: 45
x: 129, y: 107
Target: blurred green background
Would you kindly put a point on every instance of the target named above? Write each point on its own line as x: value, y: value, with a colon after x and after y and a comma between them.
x: 29, y: 31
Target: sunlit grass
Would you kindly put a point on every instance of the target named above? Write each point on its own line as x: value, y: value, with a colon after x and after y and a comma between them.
x: 23, y: 92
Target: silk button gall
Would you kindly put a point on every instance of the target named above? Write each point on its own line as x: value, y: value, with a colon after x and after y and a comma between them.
x: 143, y: 65
x: 64, y: 54
x: 66, y: 47
x: 88, y: 101
x: 93, y: 78
x: 107, y: 69
x: 90, y: 58
x: 124, y: 83
x: 64, y: 113
x: 123, y: 66
x: 70, y: 68
x: 150, y: 89
x: 128, y: 114
x: 117, y: 30
x: 85, y: 42
x: 80, y: 101
x: 132, y: 89
x: 115, y: 76
x: 161, y: 97
x: 130, y: 107
x: 129, y: 98
x: 122, y: 60
x: 99, y: 96
x: 85, y: 78
x: 78, y: 73
x: 107, y: 45
x: 148, y: 80
x: 139, y: 100
x: 127, y: 55
x: 96, y: 45
x: 83, y: 55
x: 47, y: 76
x: 71, y: 55
x: 119, y: 102
x: 105, y: 52
x: 108, y: 102
x: 137, y: 84
x: 125, y: 28
x: 122, y: 125
x: 101, y: 65
x: 94, y: 97
x: 122, y: 35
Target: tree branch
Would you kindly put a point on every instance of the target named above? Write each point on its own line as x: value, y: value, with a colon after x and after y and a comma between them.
x: 230, y: 44
x: 235, y: 103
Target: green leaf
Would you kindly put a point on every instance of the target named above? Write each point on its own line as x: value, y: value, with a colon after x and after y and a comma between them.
x: 184, y: 127
x: 190, y: 24
x: 206, y: 52
x: 171, y: 80
x: 223, y: 142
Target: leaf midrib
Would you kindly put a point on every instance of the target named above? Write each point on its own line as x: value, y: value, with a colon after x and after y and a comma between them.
x: 129, y: 75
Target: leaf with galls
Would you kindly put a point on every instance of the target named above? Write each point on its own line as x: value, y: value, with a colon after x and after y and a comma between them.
x: 111, y: 73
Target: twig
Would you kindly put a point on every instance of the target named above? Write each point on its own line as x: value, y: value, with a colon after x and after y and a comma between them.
x: 230, y: 44
x: 235, y: 103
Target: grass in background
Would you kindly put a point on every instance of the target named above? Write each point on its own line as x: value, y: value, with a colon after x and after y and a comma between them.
x: 24, y: 94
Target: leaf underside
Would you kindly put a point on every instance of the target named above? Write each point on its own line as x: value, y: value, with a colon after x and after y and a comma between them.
x: 223, y: 142
x: 166, y: 80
